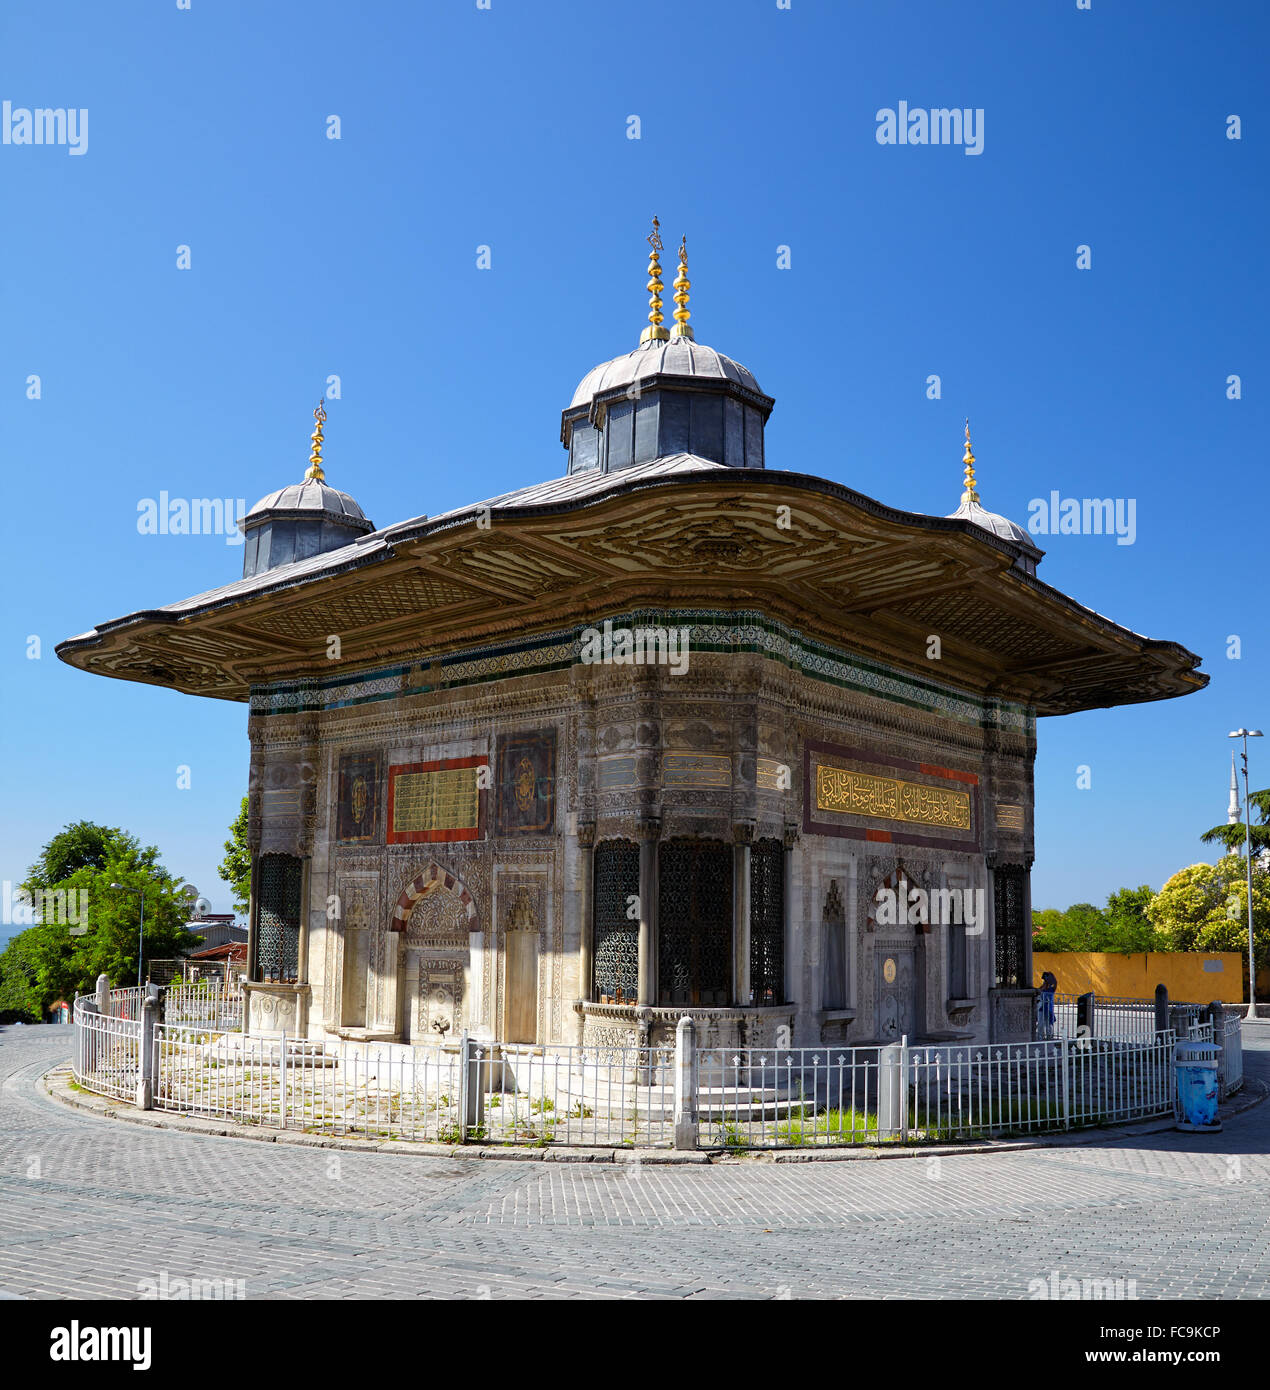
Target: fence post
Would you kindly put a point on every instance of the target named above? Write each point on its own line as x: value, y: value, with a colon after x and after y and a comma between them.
x: 471, y: 1091
x: 88, y: 1033
x: 1217, y: 1022
x: 282, y: 1078
x: 687, y: 1125
x: 103, y: 995
x: 1161, y: 1008
x: 890, y: 1091
x: 1066, y: 1045
x: 149, y: 1051
x: 1085, y: 1015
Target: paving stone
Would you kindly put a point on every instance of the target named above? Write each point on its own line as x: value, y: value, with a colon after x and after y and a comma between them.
x: 1168, y: 1210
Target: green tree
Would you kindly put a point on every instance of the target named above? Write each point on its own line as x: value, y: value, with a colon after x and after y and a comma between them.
x: 63, y: 953
x: 235, y: 868
x: 1205, y: 908
x: 81, y: 845
x: 1232, y: 836
x: 21, y: 991
x: 1082, y: 927
x: 1129, y: 928
x: 1123, y: 925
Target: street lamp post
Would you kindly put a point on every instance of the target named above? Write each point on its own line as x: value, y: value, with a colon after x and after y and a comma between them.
x: 1246, y: 734
x: 141, y: 932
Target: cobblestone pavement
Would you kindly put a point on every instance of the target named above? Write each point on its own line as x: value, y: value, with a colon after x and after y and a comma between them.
x: 1182, y: 1215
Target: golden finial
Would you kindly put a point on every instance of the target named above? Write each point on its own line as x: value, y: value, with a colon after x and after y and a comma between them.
x: 969, y: 495
x: 315, y: 474
x: 654, y: 332
x: 682, y: 315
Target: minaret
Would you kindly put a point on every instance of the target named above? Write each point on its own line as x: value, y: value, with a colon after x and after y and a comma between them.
x: 1232, y: 812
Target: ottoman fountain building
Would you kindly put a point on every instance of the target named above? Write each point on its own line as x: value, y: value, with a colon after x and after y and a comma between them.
x: 675, y: 732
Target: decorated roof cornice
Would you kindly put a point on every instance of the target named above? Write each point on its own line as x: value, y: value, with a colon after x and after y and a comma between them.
x: 844, y: 569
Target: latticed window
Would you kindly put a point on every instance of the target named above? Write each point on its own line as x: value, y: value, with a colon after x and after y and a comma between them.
x: 278, y: 883
x: 616, y: 968
x: 1010, y: 944
x: 958, y: 974
x: 694, y: 924
x: 767, y: 922
x: 835, y: 928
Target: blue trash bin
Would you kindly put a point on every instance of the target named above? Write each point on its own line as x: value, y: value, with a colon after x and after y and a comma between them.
x: 1195, y: 1066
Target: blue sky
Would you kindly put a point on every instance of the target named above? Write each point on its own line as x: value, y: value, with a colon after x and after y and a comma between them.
x: 507, y: 128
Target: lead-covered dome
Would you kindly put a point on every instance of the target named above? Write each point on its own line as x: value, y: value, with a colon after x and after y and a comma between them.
x: 972, y: 510
x: 302, y: 519
x: 680, y: 357
x: 308, y: 500
x: 670, y: 395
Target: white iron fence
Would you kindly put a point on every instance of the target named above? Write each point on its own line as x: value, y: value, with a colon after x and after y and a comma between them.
x: 213, y: 1004
x: 809, y: 1096
x: 1230, y: 1069
x: 1128, y: 1020
x: 107, y: 1049
x: 467, y: 1091
x: 774, y: 1098
x: 522, y: 1095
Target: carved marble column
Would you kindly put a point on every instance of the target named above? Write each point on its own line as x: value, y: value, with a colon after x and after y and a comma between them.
x: 649, y: 831
x: 742, y: 839
x: 388, y: 986
x: 586, y: 909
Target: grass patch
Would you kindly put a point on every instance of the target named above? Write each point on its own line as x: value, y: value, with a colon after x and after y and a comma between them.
x: 830, y: 1127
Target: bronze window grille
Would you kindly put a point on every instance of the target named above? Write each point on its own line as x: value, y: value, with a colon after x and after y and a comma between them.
x: 767, y: 922
x: 615, y: 972
x: 694, y: 923
x: 278, y: 887
x: 1009, y: 944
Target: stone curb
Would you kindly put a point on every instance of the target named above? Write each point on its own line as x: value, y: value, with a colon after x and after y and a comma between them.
x: 57, y: 1087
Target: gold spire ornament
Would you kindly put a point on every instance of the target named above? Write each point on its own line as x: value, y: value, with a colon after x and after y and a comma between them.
x: 654, y: 333
x: 315, y: 474
x: 970, y: 494
x: 682, y: 284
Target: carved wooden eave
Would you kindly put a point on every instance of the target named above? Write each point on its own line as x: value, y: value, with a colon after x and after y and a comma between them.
x: 680, y: 532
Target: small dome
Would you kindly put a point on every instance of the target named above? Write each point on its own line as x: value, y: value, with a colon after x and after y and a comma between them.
x: 310, y: 500
x: 297, y: 522
x: 971, y: 510
x: 679, y: 357
x: 992, y: 521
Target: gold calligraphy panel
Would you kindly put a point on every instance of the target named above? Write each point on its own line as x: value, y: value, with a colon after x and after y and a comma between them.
x: 888, y: 798
x: 430, y: 802
x: 696, y: 770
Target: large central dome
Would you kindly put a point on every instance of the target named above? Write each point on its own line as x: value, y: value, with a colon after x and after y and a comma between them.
x: 670, y: 395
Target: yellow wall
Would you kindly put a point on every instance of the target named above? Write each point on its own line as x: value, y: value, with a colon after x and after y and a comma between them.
x: 1136, y: 976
